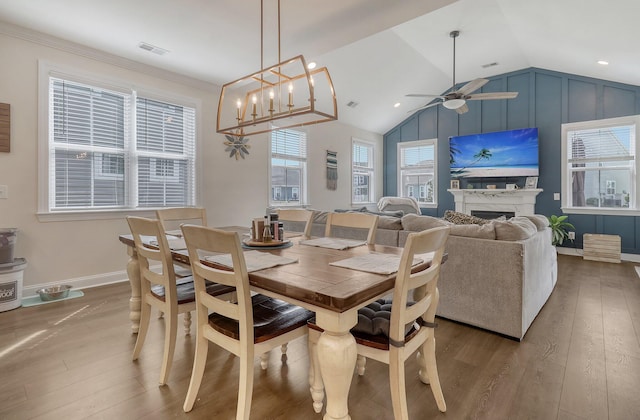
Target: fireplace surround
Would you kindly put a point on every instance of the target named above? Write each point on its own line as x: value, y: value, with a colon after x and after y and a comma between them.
x: 519, y: 202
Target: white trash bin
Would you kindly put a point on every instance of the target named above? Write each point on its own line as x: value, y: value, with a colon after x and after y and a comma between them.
x: 11, y: 275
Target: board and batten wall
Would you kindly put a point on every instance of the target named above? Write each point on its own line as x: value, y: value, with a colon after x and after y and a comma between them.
x: 546, y: 100
x: 87, y: 252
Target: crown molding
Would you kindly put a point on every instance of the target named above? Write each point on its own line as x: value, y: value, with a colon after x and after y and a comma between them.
x: 50, y: 41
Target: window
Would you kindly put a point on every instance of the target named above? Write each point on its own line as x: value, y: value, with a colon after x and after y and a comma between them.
x: 362, y: 171
x: 288, y: 167
x: 111, y: 148
x: 599, y: 166
x: 417, y: 171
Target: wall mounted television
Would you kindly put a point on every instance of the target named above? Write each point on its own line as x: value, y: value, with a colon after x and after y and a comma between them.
x: 509, y: 153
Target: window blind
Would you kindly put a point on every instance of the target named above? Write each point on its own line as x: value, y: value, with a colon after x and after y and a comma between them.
x: 288, y: 166
x: 104, y: 155
x: 165, y: 140
x: 88, y: 137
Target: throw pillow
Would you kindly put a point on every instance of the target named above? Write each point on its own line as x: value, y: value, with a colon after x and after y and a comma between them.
x: 463, y: 219
x: 514, y: 230
x: 539, y: 220
x: 486, y: 231
x: 415, y: 223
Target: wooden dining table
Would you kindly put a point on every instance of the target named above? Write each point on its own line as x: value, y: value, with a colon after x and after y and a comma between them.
x: 334, y: 293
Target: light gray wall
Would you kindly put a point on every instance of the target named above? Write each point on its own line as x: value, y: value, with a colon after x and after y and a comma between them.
x: 88, y: 252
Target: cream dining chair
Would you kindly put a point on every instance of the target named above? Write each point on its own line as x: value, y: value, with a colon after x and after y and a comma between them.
x: 297, y: 215
x: 161, y: 290
x: 410, y: 326
x: 335, y: 221
x: 253, y: 325
x: 172, y: 217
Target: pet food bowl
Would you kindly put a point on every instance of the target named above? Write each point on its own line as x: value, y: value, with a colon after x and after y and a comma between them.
x: 54, y: 292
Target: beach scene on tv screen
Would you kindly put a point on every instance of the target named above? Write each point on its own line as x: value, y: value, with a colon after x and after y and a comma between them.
x: 500, y: 154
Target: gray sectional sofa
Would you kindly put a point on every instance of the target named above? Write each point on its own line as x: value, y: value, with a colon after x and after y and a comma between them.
x: 498, y: 275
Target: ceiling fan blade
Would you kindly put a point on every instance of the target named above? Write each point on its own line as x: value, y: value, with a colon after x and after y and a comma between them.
x: 473, y: 85
x: 429, y: 105
x: 491, y: 95
x: 423, y: 95
x: 461, y: 110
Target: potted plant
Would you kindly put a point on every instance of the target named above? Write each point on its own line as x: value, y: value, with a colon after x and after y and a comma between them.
x: 560, y: 229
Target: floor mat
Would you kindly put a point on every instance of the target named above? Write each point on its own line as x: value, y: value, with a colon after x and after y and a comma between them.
x: 35, y: 300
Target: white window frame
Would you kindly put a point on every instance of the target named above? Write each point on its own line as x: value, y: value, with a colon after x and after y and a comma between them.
x: 566, y: 187
x: 362, y: 171
x: 303, y: 199
x: 47, y: 70
x: 401, y: 169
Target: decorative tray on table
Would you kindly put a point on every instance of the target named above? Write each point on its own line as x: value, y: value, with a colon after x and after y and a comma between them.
x: 249, y: 243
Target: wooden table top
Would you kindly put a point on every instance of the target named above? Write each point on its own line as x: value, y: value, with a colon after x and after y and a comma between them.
x: 312, y: 280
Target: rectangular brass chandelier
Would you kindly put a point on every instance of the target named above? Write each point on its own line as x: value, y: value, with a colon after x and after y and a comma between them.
x: 284, y: 95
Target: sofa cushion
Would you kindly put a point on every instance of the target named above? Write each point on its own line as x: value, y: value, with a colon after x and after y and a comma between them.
x: 415, y: 223
x: 388, y: 222
x: 486, y: 231
x: 514, y: 230
x: 539, y: 220
x: 463, y: 219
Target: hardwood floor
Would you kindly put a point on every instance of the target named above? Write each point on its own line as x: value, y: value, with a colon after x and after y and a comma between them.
x: 579, y: 360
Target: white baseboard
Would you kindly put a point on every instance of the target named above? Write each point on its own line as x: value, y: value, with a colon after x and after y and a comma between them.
x: 81, y: 282
x: 579, y: 253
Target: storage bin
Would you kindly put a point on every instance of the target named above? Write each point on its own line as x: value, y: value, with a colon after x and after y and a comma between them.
x: 11, y: 275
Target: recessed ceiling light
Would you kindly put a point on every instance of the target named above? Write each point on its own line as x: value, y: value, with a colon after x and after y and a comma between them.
x: 603, y: 62
x: 311, y: 65
x: 397, y: 104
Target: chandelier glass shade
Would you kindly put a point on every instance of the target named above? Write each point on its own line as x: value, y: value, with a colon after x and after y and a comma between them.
x: 284, y: 95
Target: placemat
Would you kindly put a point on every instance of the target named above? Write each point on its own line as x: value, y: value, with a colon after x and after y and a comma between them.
x: 333, y: 243
x: 374, y: 263
x: 255, y: 260
x: 35, y: 300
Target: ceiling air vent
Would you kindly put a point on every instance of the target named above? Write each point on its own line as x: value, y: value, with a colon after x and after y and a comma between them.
x: 352, y: 104
x: 152, y: 48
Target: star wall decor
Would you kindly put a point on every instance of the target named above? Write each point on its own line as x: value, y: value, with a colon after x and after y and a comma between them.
x: 237, y: 146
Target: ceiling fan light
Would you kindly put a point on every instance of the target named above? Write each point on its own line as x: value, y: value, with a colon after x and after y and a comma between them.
x: 453, y: 103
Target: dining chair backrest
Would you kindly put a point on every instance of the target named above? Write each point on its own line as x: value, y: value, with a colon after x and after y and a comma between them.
x: 422, y: 283
x: 297, y: 215
x: 209, y: 240
x: 171, y: 218
x: 352, y: 220
x: 158, y: 288
x: 150, y: 256
x: 231, y: 325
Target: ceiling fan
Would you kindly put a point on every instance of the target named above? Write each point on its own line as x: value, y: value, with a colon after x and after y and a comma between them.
x: 457, y: 99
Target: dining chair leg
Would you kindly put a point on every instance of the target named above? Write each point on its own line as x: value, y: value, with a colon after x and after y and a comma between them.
x: 361, y: 361
x: 145, y: 316
x: 187, y: 323
x: 316, y: 386
x: 199, y: 362
x: 429, y: 351
x: 170, y: 332
x: 245, y: 390
x: 264, y: 360
x: 397, y: 384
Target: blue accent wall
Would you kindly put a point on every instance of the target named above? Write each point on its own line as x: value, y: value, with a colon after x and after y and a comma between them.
x: 546, y: 99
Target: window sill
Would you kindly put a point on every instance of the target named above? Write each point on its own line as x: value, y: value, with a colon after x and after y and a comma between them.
x: 601, y: 211
x: 80, y: 215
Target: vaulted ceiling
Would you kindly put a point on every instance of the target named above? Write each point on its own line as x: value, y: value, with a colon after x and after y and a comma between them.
x: 376, y: 51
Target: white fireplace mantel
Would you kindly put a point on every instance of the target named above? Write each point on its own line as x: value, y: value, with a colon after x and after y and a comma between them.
x: 520, y: 202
